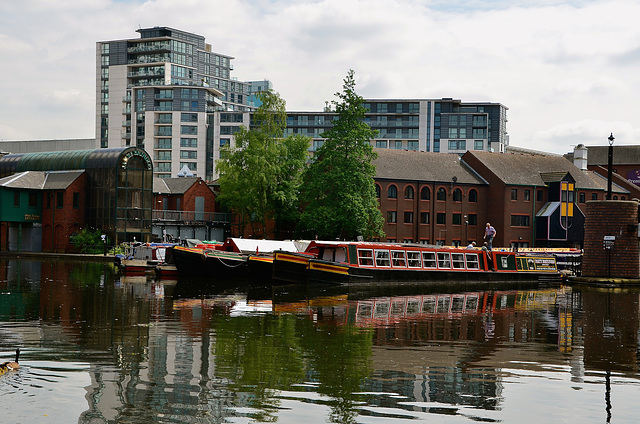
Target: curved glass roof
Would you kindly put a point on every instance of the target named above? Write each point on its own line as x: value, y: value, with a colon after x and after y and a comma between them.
x: 66, y: 160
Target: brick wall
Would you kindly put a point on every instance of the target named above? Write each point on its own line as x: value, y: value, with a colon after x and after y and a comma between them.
x: 611, y: 218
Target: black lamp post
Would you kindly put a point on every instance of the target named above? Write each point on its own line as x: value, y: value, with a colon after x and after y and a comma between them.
x: 609, y: 171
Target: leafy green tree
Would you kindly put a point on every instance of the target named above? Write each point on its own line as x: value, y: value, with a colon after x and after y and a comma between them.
x: 339, y: 190
x: 260, y: 176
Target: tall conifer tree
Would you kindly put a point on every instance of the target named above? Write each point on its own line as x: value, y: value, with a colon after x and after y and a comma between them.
x: 339, y: 190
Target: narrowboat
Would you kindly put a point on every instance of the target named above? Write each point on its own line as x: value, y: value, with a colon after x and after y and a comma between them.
x: 368, y: 262
x: 235, y: 258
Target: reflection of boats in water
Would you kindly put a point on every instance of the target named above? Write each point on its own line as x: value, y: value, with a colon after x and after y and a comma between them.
x: 376, y: 308
x: 365, y: 263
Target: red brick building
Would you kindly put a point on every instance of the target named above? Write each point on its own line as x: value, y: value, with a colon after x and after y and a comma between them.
x: 532, y: 200
x: 184, y: 207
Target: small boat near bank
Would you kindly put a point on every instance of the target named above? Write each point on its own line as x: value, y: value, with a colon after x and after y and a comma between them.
x: 331, y: 262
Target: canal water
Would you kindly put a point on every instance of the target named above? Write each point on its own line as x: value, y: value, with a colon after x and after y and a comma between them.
x: 97, y: 347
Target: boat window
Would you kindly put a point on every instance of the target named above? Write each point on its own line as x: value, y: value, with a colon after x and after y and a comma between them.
x: 365, y: 257
x: 472, y: 303
x: 458, y: 260
x: 429, y: 259
x: 365, y: 309
x: 397, y: 307
x: 444, y: 260
x: 472, y: 261
x: 413, y: 306
x: 397, y: 259
x: 413, y: 260
x: 443, y: 304
x: 457, y: 305
x: 382, y: 309
x: 429, y: 305
x: 382, y: 258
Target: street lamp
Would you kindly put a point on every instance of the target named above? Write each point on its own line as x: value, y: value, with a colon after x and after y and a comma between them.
x: 609, y: 171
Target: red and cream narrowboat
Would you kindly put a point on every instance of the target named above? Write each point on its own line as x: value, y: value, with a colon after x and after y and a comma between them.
x: 363, y: 262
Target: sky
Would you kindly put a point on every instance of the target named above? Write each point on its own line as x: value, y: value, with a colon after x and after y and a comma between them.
x: 569, y: 71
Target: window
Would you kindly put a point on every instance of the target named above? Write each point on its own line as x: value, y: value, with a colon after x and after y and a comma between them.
x: 457, y: 144
x: 412, y: 145
x: 424, y: 217
x: 164, y: 143
x: 457, y: 259
x: 444, y: 260
x: 188, y: 142
x: 408, y: 192
x: 519, y: 220
x: 16, y: 199
x: 391, y: 217
x: 33, y: 199
x: 190, y: 165
x: 478, y: 144
x: 581, y: 197
x: 408, y: 217
x: 381, y: 144
x: 397, y: 259
x: 514, y: 194
x: 189, y: 117
x: 392, y: 192
x: 382, y: 258
x: 188, y: 130
x: 425, y: 193
x: 188, y: 154
x: 456, y: 219
x: 428, y: 259
x: 76, y: 200
x: 594, y: 196
x: 377, y: 191
x: 59, y: 200
x: 539, y: 195
x: 472, y: 219
x: 413, y: 260
x: 527, y: 195
x: 441, y: 218
x: 457, y: 195
x: 472, y: 261
x: 365, y: 257
x: 442, y: 194
x: 163, y: 155
x: 473, y: 196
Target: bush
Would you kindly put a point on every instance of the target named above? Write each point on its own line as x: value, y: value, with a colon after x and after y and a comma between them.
x: 87, y: 241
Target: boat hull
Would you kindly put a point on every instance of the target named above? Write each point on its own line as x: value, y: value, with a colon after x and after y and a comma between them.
x: 199, y: 263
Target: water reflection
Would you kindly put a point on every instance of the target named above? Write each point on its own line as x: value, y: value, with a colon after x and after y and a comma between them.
x: 100, y: 347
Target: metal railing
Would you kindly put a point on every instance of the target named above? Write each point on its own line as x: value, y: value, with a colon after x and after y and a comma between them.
x: 190, y: 216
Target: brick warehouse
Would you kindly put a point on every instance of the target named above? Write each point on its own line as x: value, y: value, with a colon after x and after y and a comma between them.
x: 533, y: 200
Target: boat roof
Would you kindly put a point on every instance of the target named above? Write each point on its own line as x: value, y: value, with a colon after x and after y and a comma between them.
x: 260, y: 246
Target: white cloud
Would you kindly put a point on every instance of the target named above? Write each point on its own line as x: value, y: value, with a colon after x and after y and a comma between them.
x: 566, y: 69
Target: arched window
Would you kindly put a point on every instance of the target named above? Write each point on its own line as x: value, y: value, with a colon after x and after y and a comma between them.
x: 392, y: 192
x: 408, y: 192
x: 442, y: 194
x: 473, y: 196
x: 425, y: 193
x: 377, y: 191
x: 457, y: 195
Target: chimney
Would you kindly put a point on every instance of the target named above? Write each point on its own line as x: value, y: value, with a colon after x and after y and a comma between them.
x: 580, y: 157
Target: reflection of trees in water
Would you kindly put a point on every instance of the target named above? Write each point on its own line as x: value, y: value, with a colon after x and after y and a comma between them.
x: 261, y: 354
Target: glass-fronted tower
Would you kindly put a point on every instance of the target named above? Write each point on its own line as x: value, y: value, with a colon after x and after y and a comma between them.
x: 160, y: 92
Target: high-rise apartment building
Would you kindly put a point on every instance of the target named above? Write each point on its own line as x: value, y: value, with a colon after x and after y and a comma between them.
x: 443, y: 125
x: 160, y: 92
